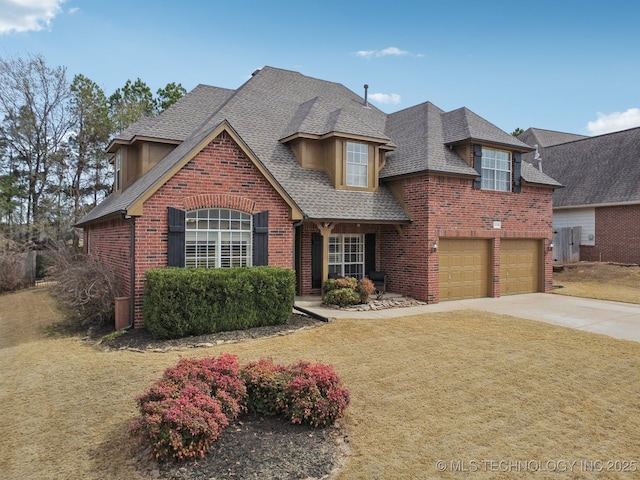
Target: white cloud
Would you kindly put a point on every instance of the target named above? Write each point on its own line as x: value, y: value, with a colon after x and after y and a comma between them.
x: 614, y: 122
x: 26, y: 15
x: 389, y: 51
x: 389, y: 99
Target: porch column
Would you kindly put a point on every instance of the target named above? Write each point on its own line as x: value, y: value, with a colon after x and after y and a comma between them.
x: 325, y: 230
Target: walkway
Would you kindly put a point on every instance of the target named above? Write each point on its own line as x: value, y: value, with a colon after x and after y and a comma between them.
x: 615, y: 319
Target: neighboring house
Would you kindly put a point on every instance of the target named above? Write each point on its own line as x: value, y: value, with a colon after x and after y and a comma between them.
x: 601, y: 194
x: 302, y: 173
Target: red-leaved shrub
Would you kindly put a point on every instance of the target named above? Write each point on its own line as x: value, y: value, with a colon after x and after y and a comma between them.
x: 189, y: 406
x: 221, y: 374
x: 180, y: 424
x: 313, y: 395
x: 187, y: 409
x: 264, y: 380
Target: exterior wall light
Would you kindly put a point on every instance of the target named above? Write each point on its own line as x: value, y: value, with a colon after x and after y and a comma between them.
x: 434, y: 249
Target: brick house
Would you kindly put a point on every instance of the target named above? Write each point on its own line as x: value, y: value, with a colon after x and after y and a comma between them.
x: 302, y: 173
x: 601, y: 194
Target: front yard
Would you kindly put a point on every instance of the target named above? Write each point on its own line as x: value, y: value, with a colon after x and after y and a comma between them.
x: 447, y: 395
x: 600, y: 280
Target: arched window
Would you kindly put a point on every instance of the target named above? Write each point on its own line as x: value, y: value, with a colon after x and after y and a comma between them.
x: 218, y: 237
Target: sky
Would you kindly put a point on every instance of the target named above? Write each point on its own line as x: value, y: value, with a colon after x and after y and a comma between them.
x: 565, y: 65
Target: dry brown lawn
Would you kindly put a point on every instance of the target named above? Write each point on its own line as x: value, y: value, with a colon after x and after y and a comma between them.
x: 491, y: 394
x: 599, y: 280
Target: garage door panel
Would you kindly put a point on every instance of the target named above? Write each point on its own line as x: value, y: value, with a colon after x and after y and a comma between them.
x: 520, y: 266
x: 464, y: 268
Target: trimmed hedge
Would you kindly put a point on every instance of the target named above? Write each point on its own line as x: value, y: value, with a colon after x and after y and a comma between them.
x: 179, y: 302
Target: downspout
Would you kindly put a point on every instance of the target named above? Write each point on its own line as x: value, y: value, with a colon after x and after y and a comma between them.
x: 295, y: 225
x: 132, y: 267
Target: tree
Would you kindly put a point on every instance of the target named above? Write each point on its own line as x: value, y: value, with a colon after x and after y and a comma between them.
x: 88, y: 163
x: 169, y: 95
x: 10, y: 198
x: 130, y: 103
x: 35, y: 125
x: 517, y: 132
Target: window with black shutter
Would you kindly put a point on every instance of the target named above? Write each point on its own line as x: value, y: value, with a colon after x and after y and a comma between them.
x: 176, y: 237
x: 261, y: 238
x: 517, y: 172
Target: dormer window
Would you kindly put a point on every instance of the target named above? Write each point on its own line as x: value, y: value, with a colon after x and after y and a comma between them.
x: 357, y: 164
x: 496, y: 170
x: 118, y: 170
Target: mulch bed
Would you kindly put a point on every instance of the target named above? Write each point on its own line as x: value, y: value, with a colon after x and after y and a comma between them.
x: 253, y: 447
x: 140, y: 339
x: 256, y: 447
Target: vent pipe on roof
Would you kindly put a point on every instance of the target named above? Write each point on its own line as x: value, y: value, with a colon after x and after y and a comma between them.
x: 537, y: 157
x: 366, y: 102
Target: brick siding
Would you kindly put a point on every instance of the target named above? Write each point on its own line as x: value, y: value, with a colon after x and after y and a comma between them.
x: 109, y: 241
x: 450, y: 207
x: 617, y: 236
x: 220, y: 176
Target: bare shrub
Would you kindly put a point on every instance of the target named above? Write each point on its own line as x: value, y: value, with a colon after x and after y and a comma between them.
x: 85, y: 285
x: 14, y: 263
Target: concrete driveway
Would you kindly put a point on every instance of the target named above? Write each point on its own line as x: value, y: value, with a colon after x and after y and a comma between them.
x: 615, y: 319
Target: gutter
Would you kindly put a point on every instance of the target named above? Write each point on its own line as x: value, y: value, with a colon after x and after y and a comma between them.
x: 132, y: 273
x: 311, y: 314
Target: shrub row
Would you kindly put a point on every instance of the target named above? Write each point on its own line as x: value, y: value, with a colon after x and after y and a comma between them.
x: 195, y: 301
x: 347, y: 291
x: 187, y: 409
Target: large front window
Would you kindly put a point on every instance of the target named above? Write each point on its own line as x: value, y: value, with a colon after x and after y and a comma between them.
x: 357, y: 165
x: 218, y: 237
x: 496, y: 170
x: 346, y: 255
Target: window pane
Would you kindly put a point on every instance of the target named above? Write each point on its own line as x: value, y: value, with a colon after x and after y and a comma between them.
x: 205, y: 232
x: 496, y: 170
x: 357, y: 164
x: 346, y: 255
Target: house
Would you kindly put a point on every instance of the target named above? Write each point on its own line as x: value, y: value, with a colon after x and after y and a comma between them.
x: 601, y: 194
x: 303, y: 173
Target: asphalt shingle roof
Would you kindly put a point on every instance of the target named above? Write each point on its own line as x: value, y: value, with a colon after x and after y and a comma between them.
x: 596, y: 170
x: 275, y: 104
x: 180, y: 119
x: 418, y: 133
x: 463, y: 125
x: 547, y: 138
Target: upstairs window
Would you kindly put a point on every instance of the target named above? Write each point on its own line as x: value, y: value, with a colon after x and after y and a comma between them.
x: 357, y: 164
x: 218, y: 237
x: 496, y: 170
x: 118, y: 169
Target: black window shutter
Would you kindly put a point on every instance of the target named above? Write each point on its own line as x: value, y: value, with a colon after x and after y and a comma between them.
x: 175, y: 240
x: 316, y: 260
x: 517, y: 172
x: 261, y: 238
x: 477, y: 166
x: 369, y: 253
